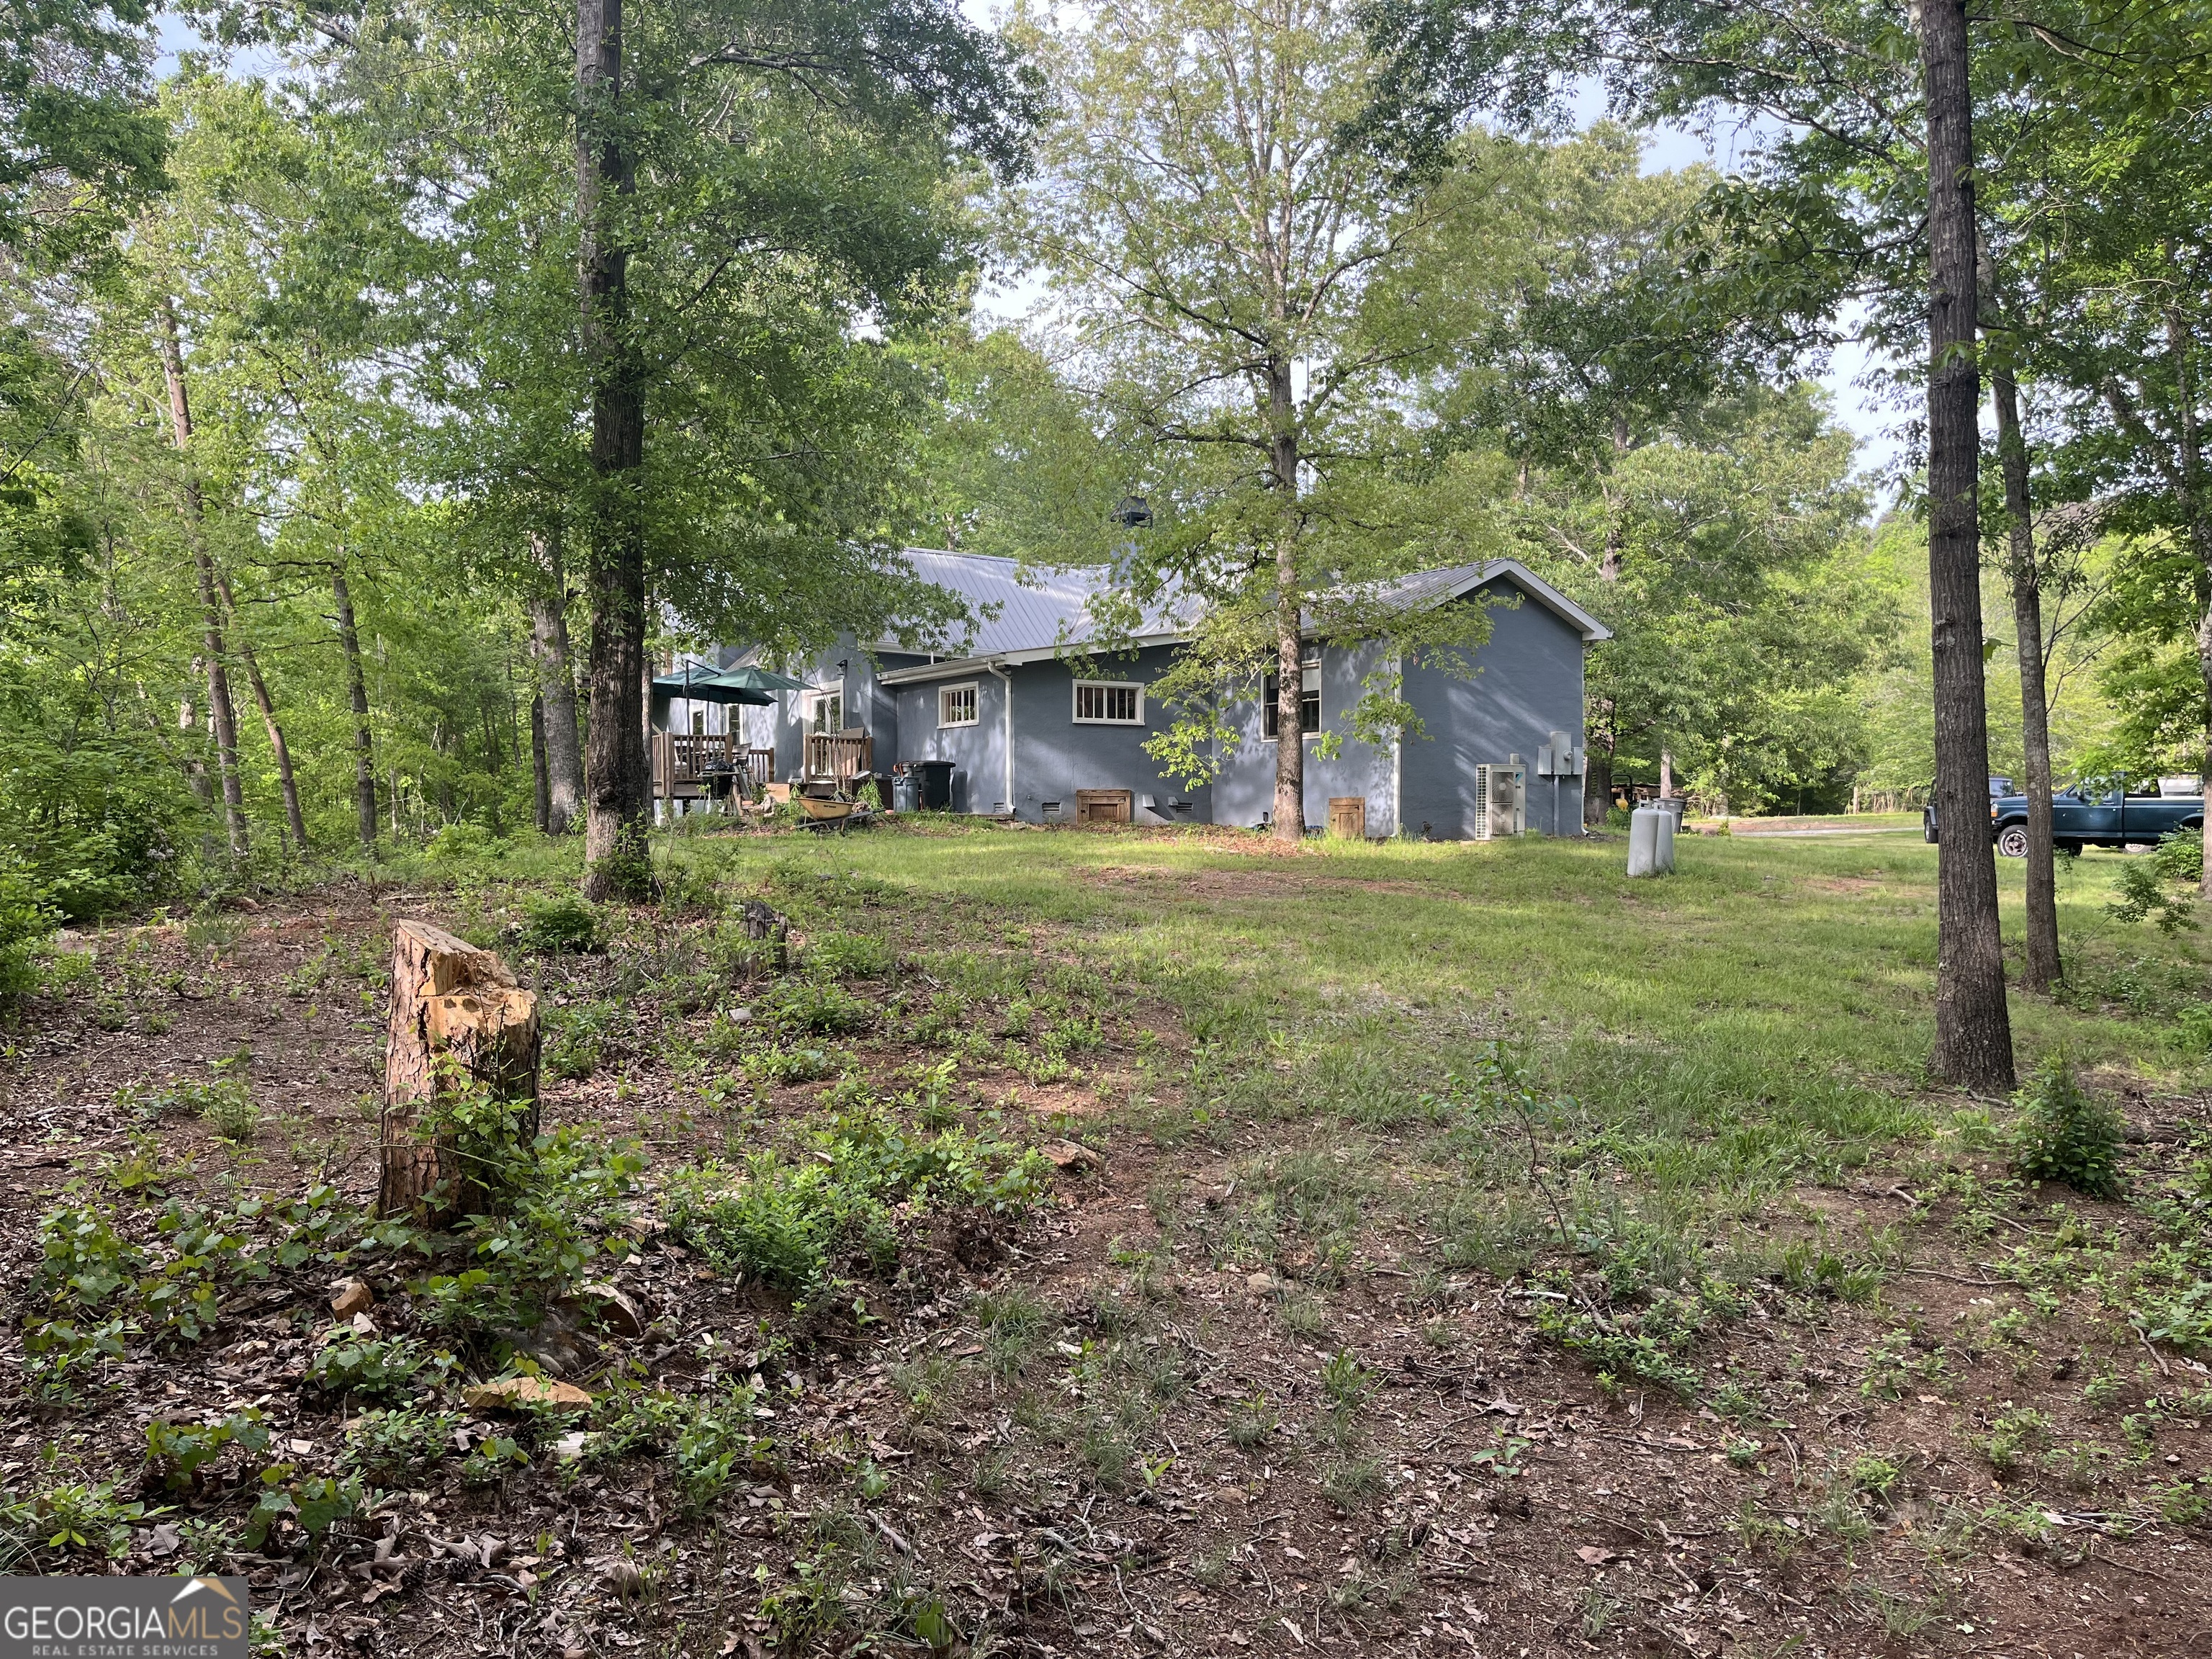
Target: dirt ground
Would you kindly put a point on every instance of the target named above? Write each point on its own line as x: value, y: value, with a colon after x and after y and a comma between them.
x: 1210, y: 1439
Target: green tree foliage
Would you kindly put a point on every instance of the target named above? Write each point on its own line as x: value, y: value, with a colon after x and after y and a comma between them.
x: 369, y: 278
x: 1725, y: 553
x: 1220, y: 253
x: 1710, y: 524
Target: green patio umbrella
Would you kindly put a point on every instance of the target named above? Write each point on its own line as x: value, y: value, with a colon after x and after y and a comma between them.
x: 705, y: 686
x: 760, y: 679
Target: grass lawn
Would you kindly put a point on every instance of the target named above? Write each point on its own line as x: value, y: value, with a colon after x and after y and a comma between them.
x: 1105, y: 1241
x: 1785, y: 984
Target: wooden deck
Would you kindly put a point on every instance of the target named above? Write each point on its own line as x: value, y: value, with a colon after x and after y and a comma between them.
x: 692, y: 766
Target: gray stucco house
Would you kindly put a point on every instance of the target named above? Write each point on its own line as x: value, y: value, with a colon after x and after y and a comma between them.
x: 1027, y: 736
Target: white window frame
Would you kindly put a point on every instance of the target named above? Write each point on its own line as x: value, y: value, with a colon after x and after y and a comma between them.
x: 1075, y: 702
x: 814, y: 702
x: 974, y: 704
x: 1309, y: 680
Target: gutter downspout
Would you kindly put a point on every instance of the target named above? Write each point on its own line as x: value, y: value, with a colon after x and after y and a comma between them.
x: 1007, y: 707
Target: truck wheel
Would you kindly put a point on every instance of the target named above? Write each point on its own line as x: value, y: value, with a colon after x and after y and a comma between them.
x: 2012, y: 841
x: 1928, y: 826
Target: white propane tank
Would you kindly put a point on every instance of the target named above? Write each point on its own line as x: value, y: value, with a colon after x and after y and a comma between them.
x: 1644, y: 833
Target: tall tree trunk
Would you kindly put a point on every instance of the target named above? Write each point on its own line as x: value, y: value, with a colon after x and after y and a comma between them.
x: 2177, y: 344
x: 220, y: 706
x: 2042, y: 965
x: 616, y: 861
x: 364, y: 739
x: 1973, y: 1028
x: 188, y: 722
x: 541, y: 794
x: 1289, y: 815
x: 268, y: 707
x: 556, y: 687
x: 1597, y: 770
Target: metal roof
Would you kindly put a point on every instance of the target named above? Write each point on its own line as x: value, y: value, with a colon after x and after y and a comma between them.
x: 1026, y: 610
x: 1426, y: 588
x: 1018, y: 607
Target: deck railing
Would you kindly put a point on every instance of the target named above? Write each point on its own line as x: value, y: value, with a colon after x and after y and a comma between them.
x: 840, y: 756
x: 692, y: 762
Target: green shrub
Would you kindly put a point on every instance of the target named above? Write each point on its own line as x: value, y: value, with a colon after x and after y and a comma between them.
x: 817, y: 1008
x: 99, y: 821
x: 227, y: 1106
x: 459, y: 843
x: 83, y: 1260
x: 571, y: 1192
x: 2162, y: 888
x: 311, y: 1503
x: 688, y: 889
x: 556, y: 926
x: 851, y: 956
x: 717, y: 1443
x: 2067, y: 1134
x: 629, y: 1419
x: 70, y: 1515
x: 176, y: 1452
x: 377, y: 1367
x: 579, y: 1037
x: 784, y: 1217
x: 491, y: 1461
x: 93, y: 1292
x: 27, y: 917
x: 778, y: 1065
x: 2012, y: 1439
x: 392, y: 1446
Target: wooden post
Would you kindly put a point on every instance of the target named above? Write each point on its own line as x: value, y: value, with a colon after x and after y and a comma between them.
x: 453, y: 1006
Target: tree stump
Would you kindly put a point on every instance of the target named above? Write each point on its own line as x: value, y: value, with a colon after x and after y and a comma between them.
x: 456, y: 1015
x: 765, y: 924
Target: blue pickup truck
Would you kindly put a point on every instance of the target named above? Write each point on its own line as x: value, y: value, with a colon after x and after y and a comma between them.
x: 2095, y: 813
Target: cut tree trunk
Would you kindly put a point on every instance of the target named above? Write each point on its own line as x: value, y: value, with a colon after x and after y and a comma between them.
x: 457, y: 1021
x: 765, y: 925
x: 2040, y: 966
x: 1974, y: 1027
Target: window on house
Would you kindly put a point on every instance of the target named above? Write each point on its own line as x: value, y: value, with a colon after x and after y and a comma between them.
x: 1108, y: 702
x: 698, y: 722
x: 829, y: 712
x: 956, y: 705
x: 1308, y: 697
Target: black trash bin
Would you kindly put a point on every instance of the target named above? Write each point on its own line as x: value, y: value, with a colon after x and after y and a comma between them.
x: 934, y: 778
